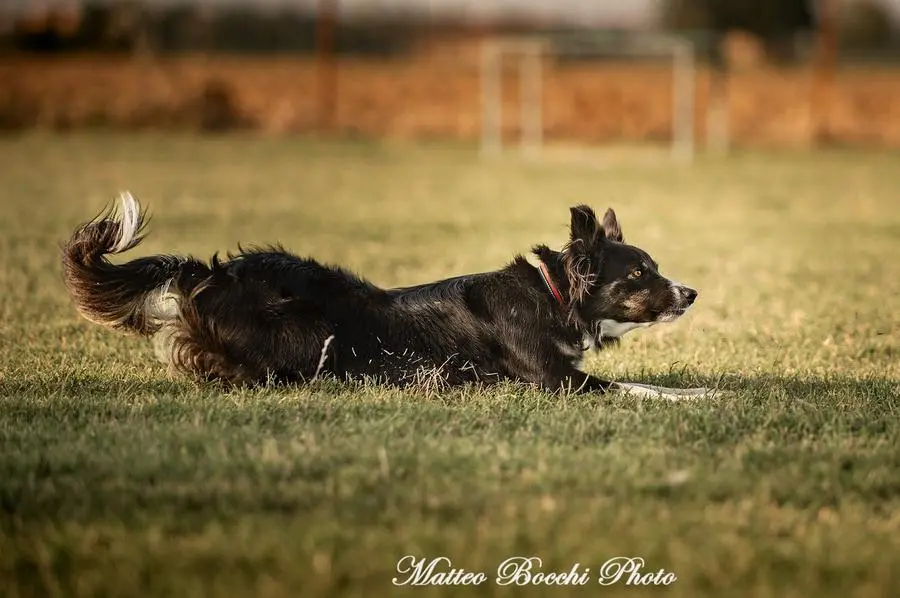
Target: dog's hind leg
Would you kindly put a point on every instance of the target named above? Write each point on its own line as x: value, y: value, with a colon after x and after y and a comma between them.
x: 245, y: 335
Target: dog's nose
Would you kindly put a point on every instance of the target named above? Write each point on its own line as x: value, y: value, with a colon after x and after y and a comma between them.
x: 689, y: 294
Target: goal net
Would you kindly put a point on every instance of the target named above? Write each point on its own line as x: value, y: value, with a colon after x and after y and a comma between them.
x: 529, y: 53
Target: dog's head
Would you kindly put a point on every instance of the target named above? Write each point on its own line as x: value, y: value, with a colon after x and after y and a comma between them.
x: 615, y: 287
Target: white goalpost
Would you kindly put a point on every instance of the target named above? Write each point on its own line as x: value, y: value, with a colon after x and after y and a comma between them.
x: 530, y: 52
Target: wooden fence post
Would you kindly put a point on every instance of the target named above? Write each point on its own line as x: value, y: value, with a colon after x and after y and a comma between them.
x: 326, y: 66
x: 825, y: 66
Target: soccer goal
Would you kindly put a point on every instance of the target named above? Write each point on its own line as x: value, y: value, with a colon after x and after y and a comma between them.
x: 529, y: 53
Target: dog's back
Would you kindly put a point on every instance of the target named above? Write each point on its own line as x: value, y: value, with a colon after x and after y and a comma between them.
x: 266, y: 314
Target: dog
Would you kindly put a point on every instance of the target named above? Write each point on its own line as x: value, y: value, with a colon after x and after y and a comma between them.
x: 264, y: 315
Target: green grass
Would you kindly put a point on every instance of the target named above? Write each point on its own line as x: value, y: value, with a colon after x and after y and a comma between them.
x: 117, y: 481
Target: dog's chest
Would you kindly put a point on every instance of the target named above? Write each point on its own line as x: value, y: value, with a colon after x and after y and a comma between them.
x: 573, y: 349
x: 609, y: 330
x: 614, y: 329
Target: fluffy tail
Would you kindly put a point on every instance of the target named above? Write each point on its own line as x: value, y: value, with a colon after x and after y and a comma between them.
x: 134, y: 296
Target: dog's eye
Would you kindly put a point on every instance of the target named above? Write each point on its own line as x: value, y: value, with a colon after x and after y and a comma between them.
x: 636, y: 273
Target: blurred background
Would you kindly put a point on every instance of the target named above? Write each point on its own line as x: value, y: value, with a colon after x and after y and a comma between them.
x: 722, y: 72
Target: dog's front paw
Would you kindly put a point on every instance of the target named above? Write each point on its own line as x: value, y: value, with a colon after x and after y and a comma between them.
x: 634, y: 389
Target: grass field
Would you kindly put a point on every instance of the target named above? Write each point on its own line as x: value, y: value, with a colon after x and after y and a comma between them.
x: 116, y: 481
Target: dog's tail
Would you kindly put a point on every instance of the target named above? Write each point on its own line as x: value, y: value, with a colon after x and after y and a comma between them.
x: 136, y: 296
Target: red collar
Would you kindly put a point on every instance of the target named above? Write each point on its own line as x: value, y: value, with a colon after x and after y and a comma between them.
x: 545, y: 274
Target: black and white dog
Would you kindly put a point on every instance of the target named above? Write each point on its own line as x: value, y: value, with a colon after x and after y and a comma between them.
x: 266, y: 315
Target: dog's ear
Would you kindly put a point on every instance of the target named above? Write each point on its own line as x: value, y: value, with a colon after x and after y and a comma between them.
x: 584, y: 227
x: 611, y: 228
x: 579, y: 256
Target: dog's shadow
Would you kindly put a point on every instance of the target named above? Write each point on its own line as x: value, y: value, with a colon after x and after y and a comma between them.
x: 754, y: 387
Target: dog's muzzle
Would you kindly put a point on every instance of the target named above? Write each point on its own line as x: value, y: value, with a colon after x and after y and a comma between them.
x: 682, y: 298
